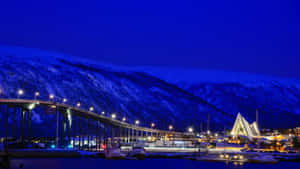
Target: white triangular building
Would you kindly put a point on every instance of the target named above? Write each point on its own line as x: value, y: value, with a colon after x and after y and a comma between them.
x: 241, y: 127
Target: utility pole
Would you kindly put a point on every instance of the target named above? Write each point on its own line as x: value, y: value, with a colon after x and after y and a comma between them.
x: 257, y: 118
x: 201, y: 127
x: 208, y: 122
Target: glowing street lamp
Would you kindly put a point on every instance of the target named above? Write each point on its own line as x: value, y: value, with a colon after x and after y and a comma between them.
x: 152, y: 125
x: 91, y: 109
x: 190, y: 129
x: 64, y: 100
x: 20, y: 92
x: 51, y: 96
x: 37, y: 94
x: 113, y: 116
x: 137, y: 122
x: 124, y: 119
x: 103, y: 113
x: 31, y: 106
x: 78, y: 104
x: 170, y: 127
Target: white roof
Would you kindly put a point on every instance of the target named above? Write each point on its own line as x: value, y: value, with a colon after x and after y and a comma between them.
x: 241, y: 127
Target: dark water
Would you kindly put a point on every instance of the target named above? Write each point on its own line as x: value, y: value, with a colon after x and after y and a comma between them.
x: 96, y: 163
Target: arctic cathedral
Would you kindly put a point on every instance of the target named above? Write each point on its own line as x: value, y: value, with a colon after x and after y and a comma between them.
x: 242, y: 127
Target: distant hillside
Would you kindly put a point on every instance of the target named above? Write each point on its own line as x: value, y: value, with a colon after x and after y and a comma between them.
x: 139, y: 95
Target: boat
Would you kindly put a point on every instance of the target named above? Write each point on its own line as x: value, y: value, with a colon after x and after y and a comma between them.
x: 231, y: 146
x: 262, y: 158
x: 223, y: 158
x: 211, y: 158
x: 113, y: 153
x: 137, y: 152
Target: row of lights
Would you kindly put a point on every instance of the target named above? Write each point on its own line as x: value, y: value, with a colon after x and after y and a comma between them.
x: 113, y: 116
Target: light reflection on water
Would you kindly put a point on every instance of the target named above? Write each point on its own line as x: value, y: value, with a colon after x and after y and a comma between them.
x: 97, y: 163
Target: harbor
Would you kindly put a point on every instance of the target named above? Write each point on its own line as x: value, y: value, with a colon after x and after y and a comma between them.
x: 114, y: 139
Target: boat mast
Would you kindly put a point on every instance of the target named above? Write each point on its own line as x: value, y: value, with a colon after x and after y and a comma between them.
x: 257, y: 118
x: 207, y: 122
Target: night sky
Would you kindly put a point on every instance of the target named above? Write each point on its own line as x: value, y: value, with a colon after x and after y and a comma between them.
x: 257, y: 36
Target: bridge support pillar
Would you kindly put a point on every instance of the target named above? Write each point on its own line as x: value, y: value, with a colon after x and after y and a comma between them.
x: 29, y: 124
x: 57, y: 128
x: 69, y: 129
x: 135, y: 135
x: 74, y: 126
x: 14, y: 122
x: 138, y: 134
x: 98, y: 139
x: 6, y: 125
x: 80, y: 133
x: 128, y: 135
x: 88, y: 133
x: 100, y: 135
x: 119, y: 133
x: 63, y: 131
x: 22, y: 125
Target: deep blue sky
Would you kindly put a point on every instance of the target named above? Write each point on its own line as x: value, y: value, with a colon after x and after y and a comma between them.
x: 260, y: 36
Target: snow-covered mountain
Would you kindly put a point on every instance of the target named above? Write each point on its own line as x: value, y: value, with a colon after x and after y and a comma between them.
x: 278, y: 104
x: 277, y: 99
x: 139, y: 95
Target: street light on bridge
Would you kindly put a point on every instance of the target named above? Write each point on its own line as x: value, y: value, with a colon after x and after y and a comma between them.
x: 137, y: 122
x: 124, y: 119
x: 31, y: 106
x: 20, y: 92
x: 190, y: 130
x: 170, y: 127
x: 152, y: 125
x: 91, y: 109
x: 113, y: 116
x: 64, y: 100
x: 103, y: 113
x: 51, y: 96
x: 78, y: 104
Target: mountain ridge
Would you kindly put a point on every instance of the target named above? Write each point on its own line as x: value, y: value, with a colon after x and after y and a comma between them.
x: 141, y: 95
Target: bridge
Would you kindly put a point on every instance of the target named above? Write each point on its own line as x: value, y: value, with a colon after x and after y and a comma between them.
x: 77, y: 128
